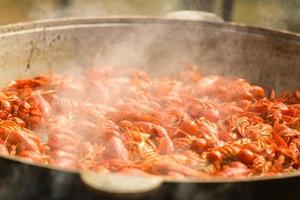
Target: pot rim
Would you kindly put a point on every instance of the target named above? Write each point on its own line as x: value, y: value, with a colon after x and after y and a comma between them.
x: 211, y: 180
x: 144, y: 20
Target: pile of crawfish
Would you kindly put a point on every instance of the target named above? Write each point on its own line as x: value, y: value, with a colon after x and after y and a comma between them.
x: 123, y: 120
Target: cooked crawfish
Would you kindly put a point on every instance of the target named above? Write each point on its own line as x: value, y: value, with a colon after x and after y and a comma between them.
x: 124, y: 120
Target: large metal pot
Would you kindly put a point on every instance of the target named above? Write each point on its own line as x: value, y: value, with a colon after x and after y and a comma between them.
x: 159, y: 45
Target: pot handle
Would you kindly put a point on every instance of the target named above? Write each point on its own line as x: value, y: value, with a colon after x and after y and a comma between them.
x: 194, y: 15
x: 118, y: 184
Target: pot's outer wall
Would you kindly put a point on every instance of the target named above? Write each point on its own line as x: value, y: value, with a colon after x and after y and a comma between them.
x: 267, y: 58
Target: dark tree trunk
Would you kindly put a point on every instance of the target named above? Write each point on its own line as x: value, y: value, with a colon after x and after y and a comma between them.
x: 227, y: 10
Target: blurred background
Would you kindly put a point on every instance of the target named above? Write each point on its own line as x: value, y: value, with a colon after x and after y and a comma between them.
x: 276, y: 14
